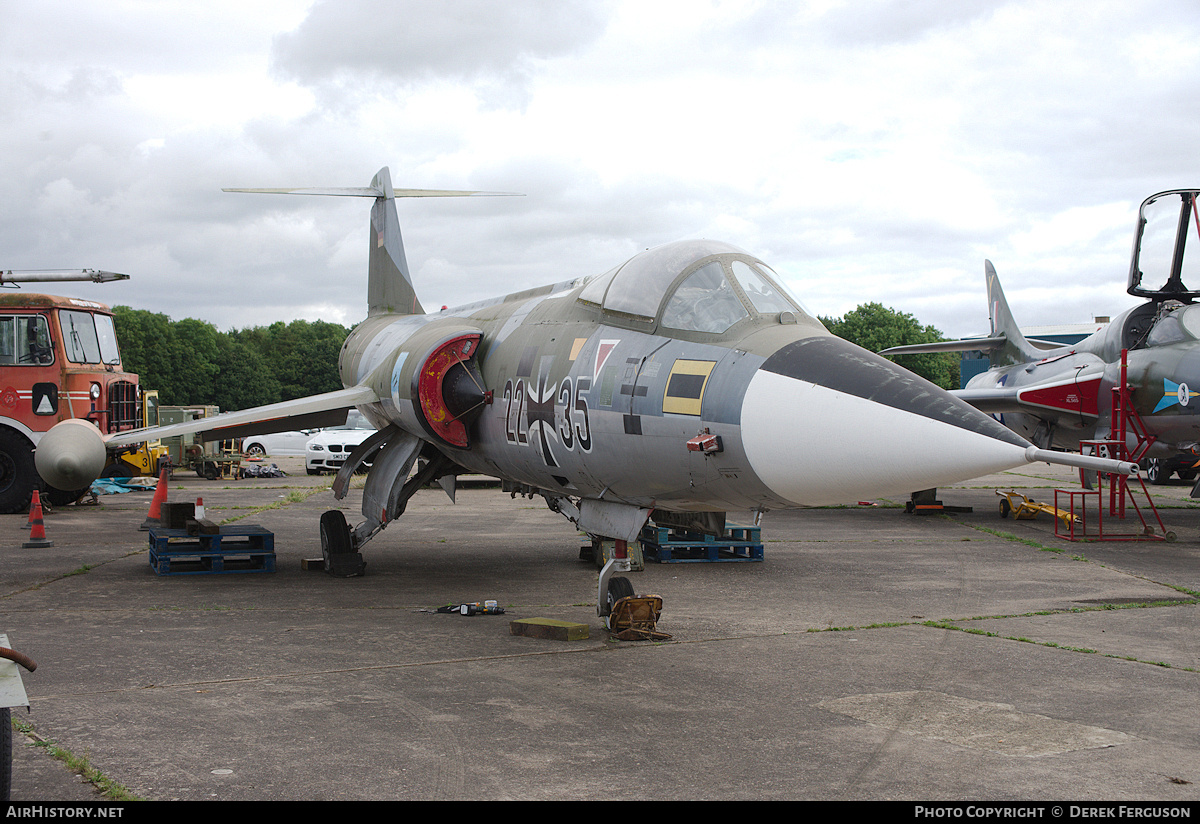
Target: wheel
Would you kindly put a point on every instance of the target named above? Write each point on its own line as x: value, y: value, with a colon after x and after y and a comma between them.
x: 210, y: 471
x: 1005, y: 507
x: 5, y: 754
x: 618, y: 588
x: 335, y: 533
x: 120, y: 469
x: 255, y: 449
x: 1155, y: 472
x: 61, y: 497
x: 17, y: 473
x: 1188, y: 475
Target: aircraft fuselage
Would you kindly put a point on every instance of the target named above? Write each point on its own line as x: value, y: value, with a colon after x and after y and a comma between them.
x: 588, y: 403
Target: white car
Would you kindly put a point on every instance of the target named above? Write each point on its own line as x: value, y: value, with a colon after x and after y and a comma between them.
x: 328, y: 449
x: 277, y: 443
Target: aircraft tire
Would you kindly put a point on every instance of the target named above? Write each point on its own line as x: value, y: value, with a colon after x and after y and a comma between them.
x: 618, y: 588
x: 335, y: 533
x: 17, y: 473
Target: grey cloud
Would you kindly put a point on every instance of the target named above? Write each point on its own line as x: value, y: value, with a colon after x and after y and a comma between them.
x: 341, y: 43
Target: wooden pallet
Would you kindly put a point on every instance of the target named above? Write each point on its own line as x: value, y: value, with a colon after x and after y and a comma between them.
x: 248, y: 548
x: 668, y: 545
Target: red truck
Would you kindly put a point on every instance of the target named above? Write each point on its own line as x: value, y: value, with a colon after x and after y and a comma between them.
x: 58, y: 359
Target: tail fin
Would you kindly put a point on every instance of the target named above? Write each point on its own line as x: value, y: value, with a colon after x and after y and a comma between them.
x: 1016, y: 348
x: 389, y: 284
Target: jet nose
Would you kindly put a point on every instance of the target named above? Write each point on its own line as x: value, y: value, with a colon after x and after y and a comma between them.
x: 827, y: 422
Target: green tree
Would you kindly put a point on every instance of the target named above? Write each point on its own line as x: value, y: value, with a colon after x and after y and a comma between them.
x: 875, y: 327
x: 244, y: 379
x: 190, y: 362
x: 148, y: 348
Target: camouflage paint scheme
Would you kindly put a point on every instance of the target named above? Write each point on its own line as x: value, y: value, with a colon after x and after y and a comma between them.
x: 684, y: 380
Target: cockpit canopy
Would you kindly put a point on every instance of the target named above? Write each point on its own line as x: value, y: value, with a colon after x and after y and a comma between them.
x: 1175, y: 322
x: 693, y: 286
x: 1165, y: 222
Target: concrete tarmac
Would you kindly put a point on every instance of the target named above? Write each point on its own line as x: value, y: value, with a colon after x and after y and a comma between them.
x: 872, y: 655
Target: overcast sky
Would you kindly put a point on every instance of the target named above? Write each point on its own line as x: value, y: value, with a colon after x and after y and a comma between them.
x: 867, y: 150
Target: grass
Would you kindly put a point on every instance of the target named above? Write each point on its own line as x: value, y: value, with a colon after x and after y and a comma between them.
x: 295, y: 496
x: 79, y: 764
x: 956, y: 625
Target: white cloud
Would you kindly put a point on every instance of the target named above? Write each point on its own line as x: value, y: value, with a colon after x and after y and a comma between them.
x: 868, y: 150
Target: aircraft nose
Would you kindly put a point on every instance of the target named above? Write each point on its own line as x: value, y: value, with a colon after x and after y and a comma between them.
x: 817, y: 402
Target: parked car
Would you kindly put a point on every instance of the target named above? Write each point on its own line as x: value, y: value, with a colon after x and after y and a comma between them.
x: 277, y: 443
x: 328, y: 449
x: 1160, y: 470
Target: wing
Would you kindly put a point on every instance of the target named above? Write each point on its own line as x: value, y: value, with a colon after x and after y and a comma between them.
x: 1076, y: 395
x: 964, y: 345
x: 313, y: 411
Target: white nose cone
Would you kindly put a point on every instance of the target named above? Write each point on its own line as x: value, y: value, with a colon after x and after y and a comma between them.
x: 813, y: 445
x: 71, y: 455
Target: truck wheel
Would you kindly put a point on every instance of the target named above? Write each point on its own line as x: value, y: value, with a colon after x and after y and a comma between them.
x: 62, y: 497
x: 17, y: 473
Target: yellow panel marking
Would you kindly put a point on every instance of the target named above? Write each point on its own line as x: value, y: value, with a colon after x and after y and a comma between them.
x: 576, y: 346
x: 684, y: 394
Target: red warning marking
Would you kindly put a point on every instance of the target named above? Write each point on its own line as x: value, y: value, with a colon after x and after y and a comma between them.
x: 1069, y: 396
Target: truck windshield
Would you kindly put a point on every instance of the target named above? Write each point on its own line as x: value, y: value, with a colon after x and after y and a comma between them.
x: 89, y: 341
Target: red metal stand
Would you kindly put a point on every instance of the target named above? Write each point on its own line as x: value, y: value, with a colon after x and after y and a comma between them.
x: 1125, y: 422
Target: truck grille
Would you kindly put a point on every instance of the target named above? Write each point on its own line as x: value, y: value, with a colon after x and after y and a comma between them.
x: 122, y: 406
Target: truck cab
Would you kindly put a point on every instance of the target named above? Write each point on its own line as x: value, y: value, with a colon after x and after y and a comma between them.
x: 59, y: 359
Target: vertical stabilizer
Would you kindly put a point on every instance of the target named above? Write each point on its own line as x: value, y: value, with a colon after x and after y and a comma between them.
x: 389, y: 284
x: 1015, y: 349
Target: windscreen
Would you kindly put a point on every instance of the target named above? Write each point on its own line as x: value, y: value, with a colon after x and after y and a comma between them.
x: 82, y: 342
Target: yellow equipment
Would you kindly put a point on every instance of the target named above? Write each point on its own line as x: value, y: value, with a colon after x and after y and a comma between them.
x: 1025, y: 508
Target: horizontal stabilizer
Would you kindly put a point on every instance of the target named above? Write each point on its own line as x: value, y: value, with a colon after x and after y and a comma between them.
x: 371, y: 191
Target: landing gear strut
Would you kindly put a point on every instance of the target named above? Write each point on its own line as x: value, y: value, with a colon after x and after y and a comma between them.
x: 612, y: 589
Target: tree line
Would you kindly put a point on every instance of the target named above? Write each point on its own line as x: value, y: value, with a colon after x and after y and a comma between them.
x: 190, y: 362
x: 875, y: 327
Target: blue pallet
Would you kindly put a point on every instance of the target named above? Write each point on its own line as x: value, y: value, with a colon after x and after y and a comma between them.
x: 234, y: 549
x: 667, y: 545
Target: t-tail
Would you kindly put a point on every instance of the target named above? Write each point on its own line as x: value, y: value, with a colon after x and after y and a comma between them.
x: 1015, y: 348
x: 389, y: 282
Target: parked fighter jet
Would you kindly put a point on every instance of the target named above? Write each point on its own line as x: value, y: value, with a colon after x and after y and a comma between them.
x: 683, y: 382
x: 1058, y: 396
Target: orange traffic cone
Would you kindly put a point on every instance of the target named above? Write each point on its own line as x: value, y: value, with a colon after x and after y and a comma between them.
x: 154, y: 518
x: 37, y: 531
